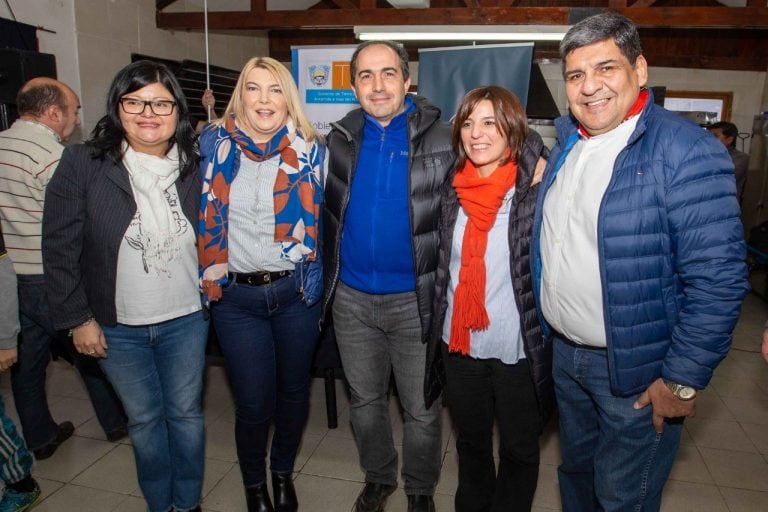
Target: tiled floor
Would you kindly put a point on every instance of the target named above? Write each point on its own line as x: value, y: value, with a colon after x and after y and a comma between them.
x: 722, y: 465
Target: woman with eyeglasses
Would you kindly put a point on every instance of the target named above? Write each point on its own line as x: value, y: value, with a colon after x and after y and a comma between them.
x: 119, y: 248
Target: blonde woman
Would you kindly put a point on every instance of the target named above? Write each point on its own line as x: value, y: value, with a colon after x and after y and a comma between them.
x: 260, y: 268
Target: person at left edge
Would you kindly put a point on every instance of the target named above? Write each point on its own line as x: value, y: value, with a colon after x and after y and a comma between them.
x: 18, y: 490
x: 29, y: 153
x: 119, y: 252
x: 261, y: 268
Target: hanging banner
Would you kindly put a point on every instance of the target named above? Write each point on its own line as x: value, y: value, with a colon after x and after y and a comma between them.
x: 322, y: 76
x: 447, y: 74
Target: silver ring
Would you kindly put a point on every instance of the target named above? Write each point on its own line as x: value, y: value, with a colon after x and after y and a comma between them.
x: 91, y: 352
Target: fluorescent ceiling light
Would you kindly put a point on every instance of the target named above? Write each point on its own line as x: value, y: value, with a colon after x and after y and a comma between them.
x: 462, y: 32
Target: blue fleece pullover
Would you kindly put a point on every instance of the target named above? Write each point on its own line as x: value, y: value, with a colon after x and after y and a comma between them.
x: 376, y: 246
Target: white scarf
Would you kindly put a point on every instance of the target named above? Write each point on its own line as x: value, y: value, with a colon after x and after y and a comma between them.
x: 150, y: 177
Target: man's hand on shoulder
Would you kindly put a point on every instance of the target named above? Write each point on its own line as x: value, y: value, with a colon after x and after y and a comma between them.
x: 664, y: 404
x: 538, y: 173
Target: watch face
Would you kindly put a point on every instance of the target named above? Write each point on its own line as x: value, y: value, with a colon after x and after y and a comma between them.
x: 686, y: 392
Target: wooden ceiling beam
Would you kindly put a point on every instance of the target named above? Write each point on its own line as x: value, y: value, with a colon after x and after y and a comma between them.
x: 702, y: 48
x: 346, y: 18
x: 651, y: 17
x: 344, y: 4
x: 162, y: 4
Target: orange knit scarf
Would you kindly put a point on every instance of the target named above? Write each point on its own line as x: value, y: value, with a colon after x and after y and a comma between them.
x: 481, y: 199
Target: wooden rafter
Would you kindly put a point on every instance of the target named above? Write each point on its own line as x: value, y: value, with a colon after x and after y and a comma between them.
x: 649, y: 17
x: 162, y: 4
x: 344, y: 4
x: 643, y: 3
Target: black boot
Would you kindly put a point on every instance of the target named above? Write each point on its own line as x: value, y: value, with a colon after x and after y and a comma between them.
x: 257, y: 499
x: 284, y: 493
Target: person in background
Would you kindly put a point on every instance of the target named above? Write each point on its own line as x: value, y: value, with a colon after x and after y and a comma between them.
x: 119, y: 251
x: 29, y: 153
x: 638, y: 259
x: 728, y: 134
x: 261, y: 268
x: 19, y: 491
x: 497, y: 365
x: 388, y: 161
x: 208, y: 101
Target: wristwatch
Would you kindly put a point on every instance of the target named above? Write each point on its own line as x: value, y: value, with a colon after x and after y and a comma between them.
x: 681, y: 391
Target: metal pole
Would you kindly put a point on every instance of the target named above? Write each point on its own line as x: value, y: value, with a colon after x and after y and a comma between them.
x: 207, y: 58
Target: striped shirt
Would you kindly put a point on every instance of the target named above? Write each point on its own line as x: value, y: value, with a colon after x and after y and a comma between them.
x: 29, y: 154
x: 252, y: 246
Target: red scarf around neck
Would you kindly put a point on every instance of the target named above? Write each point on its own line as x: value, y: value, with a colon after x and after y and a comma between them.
x: 481, y: 199
x: 636, y: 108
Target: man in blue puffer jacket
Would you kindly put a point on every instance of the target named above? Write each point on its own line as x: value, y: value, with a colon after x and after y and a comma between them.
x: 638, y: 254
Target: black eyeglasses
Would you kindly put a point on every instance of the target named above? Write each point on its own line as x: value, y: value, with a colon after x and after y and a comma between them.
x: 158, y: 107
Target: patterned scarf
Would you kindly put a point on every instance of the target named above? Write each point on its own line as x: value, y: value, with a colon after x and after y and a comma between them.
x: 297, y: 198
x: 481, y: 199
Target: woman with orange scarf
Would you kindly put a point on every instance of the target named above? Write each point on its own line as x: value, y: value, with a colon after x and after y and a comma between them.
x: 486, y: 331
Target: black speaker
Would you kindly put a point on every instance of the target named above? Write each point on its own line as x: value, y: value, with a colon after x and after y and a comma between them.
x: 18, y: 66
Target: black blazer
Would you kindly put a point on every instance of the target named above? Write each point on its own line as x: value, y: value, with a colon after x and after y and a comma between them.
x: 88, y: 207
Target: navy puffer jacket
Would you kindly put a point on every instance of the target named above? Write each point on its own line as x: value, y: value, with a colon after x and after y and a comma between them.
x: 671, y: 250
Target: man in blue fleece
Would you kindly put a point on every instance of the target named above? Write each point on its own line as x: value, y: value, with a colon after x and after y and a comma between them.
x: 638, y: 257
x: 388, y: 160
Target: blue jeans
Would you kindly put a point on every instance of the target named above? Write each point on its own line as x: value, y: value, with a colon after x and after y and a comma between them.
x: 157, y: 370
x: 379, y: 335
x: 28, y: 374
x: 613, y: 459
x: 268, y: 337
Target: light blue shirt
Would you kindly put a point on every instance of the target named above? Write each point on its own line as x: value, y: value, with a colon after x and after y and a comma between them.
x: 502, y: 339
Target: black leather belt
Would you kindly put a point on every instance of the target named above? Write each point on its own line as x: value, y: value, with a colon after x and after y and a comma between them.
x: 258, y: 278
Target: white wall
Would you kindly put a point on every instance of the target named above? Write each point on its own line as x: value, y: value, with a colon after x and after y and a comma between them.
x: 58, y: 16
x: 109, y: 31
x: 95, y: 38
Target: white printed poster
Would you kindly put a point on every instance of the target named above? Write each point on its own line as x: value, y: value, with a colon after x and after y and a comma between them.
x: 322, y: 76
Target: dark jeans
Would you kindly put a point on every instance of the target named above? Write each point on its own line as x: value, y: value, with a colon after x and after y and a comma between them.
x: 480, y: 391
x: 380, y: 335
x: 613, y: 459
x: 28, y: 374
x: 268, y: 337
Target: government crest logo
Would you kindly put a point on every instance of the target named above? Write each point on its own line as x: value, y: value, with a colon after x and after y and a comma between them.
x: 319, y: 74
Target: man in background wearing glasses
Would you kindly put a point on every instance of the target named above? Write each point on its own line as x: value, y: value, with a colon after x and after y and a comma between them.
x: 29, y: 153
